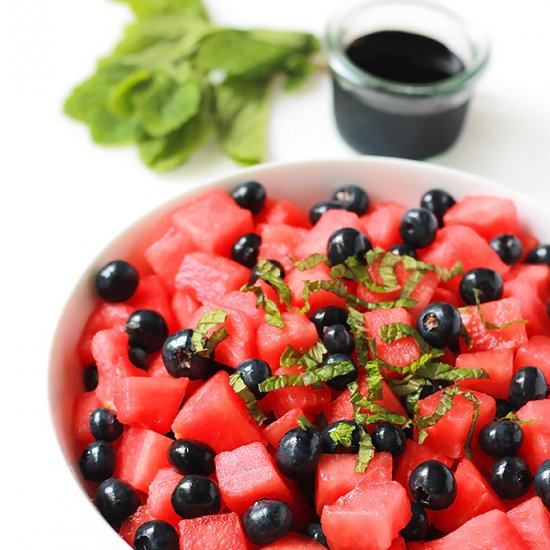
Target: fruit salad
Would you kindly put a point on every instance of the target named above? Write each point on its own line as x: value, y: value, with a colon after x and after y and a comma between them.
x: 363, y: 376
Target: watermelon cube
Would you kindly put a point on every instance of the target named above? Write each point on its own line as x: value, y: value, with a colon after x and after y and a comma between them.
x: 532, y: 308
x: 279, y: 427
x: 279, y: 242
x: 532, y: 522
x: 535, y: 353
x: 184, y: 307
x: 538, y: 277
x: 212, y: 533
x: 367, y: 518
x: 398, y: 544
x: 245, y: 302
x: 382, y: 225
x: 214, y: 221
x: 536, y: 444
x: 131, y: 525
x: 151, y: 294
x: 159, y: 499
x: 294, y: 541
x: 276, y: 212
x: 210, y: 410
x: 83, y: 406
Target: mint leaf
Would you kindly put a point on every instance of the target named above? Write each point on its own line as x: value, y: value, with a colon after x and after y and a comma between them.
x: 310, y: 262
x: 443, y: 407
x: 309, y: 359
x: 468, y: 443
x: 366, y: 451
x: 242, y: 390
x: 411, y: 264
x: 209, y: 321
x: 144, y: 8
x: 513, y: 417
x: 120, y: 98
x: 271, y: 274
x: 410, y: 285
x: 273, y: 316
x: 304, y: 423
x: 487, y: 324
x: 395, y: 331
x: 342, y: 434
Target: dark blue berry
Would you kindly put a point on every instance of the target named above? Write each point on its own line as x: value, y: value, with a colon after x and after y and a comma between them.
x: 319, y: 208
x: 332, y: 446
x: 440, y: 324
x: 105, y: 426
x: 418, y: 525
x: 147, y: 330
x: 156, y: 535
x: 255, y: 273
x: 181, y: 361
x: 486, y: 281
x: 338, y: 339
x: 404, y: 249
x: 418, y: 227
x: 97, y: 461
x: 389, y: 438
x: 503, y: 408
x: 298, y: 453
x: 328, y: 316
x: 539, y: 255
x: 196, y: 496
x: 139, y: 358
x: 511, y: 477
x: 267, y: 520
x: 250, y: 195
x: 90, y: 377
x: 315, y: 531
x: 192, y: 457
x: 433, y: 387
x: 353, y: 199
x: 527, y: 384
x: 116, y: 501
x: 245, y: 249
x: 542, y: 483
x: 508, y: 247
x: 347, y: 243
x: 340, y: 382
x: 117, y: 281
x: 502, y: 438
x: 438, y: 202
x: 433, y: 485
x: 253, y: 372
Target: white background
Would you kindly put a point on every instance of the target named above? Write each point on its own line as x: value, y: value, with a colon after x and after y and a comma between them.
x: 62, y: 198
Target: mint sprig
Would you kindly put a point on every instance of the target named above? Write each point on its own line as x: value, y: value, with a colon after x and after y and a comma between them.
x: 242, y: 390
x: 203, y: 344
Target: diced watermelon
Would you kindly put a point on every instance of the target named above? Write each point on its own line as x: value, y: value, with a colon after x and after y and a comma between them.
x: 131, y: 525
x: 382, y: 225
x: 317, y: 238
x: 212, y: 533
x: 423, y: 293
x: 336, y: 476
x: 184, y: 307
x: 294, y: 541
x: 140, y: 455
x: 498, y: 364
x: 532, y: 308
x: 497, y: 313
x: 401, y: 352
x: 214, y: 221
x: 277, y: 429
x: 151, y: 294
x: 536, y: 444
x: 298, y: 331
x: 535, y: 353
x: 286, y: 212
x: 538, y: 277
x: 532, y: 522
x: 209, y: 277
x: 488, y: 216
x: 83, y: 406
x: 474, y: 496
x: 245, y: 302
x: 492, y: 530
x: 248, y: 474
x: 355, y: 523
x: 216, y: 406
x: 279, y: 242
x: 151, y: 403
x: 159, y: 499
x: 166, y: 254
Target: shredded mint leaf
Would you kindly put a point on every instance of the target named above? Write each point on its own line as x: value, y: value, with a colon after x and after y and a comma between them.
x: 513, y: 417
x: 465, y: 336
x: 366, y: 451
x: 400, y: 302
x: 310, y: 262
x: 310, y: 359
x: 241, y: 389
x: 304, y: 423
x: 144, y: 8
x: 410, y: 285
x: 491, y: 326
x: 342, y: 434
x: 335, y: 287
x: 273, y: 316
x: 271, y: 274
x: 386, y: 270
x: 210, y: 320
x: 475, y: 401
x: 411, y: 264
x: 444, y: 406
x: 356, y: 322
x: 355, y: 270
x: 372, y: 256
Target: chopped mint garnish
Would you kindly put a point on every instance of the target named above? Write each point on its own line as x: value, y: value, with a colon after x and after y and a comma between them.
x: 342, y: 434
x: 366, y: 451
x: 241, y: 389
x: 272, y: 314
x: 270, y: 273
x: 304, y: 423
x: 310, y: 262
x: 310, y: 359
x: 490, y: 326
x: 202, y: 344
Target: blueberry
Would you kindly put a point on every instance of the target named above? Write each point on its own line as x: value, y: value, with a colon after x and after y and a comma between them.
x: 245, y: 249
x: 97, y: 461
x: 328, y: 316
x: 353, y: 199
x: 338, y: 339
x: 439, y: 324
x: 104, y: 425
x: 116, y: 501
x: 508, y: 247
x: 433, y: 387
x: 340, y: 382
x: 147, y: 330
x: 90, y: 377
x: 418, y: 525
x: 196, y: 496
x: 527, y: 384
x: 139, y: 358
x: 418, y: 227
x: 250, y: 195
x: 192, y: 457
x: 539, y: 255
x: 438, y: 202
x: 156, y: 535
x: 433, y: 485
x: 254, y: 371
x: 511, y: 477
x: 267, y: 520
x: 315, y: 531
x: 488, y: 282
x: 116, y: 281
x: 319, y: 208
x: 503, y: 408
x: 346, y: 243
x: 255, y: 273
x: 298, y: 453
x: 180, y: 359
x: 332, y: 447
x: 502, y: 438
x: 542, y: 483
x: 389, y: 438
x: 404, y: 249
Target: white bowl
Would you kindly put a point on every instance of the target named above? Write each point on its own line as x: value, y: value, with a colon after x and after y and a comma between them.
x: 303, y: 182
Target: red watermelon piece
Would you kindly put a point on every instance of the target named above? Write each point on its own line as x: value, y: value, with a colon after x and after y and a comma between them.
x: 294, y: 541
x: 131, y: 525
x: 279, y: 427
x: 382, y: 225
x: 184, y: 307
x: 159, y: 499
x: 283, y: 211
x: 536, y: 444
x: 83, y: 406
x: 538, y: 277
x: 151, y: 294
x: 245, y: 302
x: 279, y: 242
x: 535, y: 353
x: 212, y: 533
x: 532, y: 522
x: 532, y: 308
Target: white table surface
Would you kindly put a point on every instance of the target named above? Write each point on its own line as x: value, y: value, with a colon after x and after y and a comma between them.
x: 62, y: 198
